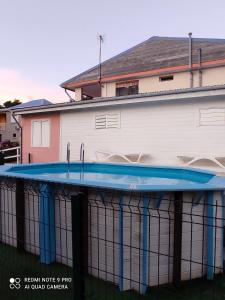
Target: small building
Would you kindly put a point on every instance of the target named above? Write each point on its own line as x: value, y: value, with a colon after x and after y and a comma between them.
x: 9, y: 130
x: 27, y: 105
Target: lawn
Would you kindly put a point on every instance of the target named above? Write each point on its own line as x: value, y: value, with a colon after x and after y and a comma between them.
x: 13, y: 264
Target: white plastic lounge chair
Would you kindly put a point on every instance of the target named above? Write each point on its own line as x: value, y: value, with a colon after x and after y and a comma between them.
x: 191, y: 159
x: 129, y: 157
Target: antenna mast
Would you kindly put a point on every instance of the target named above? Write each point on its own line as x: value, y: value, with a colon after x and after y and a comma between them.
x: 101, y: 39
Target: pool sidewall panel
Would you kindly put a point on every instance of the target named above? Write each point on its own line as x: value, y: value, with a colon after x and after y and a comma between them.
x: 104, y: 235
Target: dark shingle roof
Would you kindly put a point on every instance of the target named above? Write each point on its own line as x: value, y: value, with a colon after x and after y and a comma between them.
x: 155, y: 53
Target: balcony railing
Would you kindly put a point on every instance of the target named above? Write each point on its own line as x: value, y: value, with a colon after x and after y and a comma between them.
x: 12, y: 153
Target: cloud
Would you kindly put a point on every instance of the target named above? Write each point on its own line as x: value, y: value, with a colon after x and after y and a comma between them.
x: 13, y: 84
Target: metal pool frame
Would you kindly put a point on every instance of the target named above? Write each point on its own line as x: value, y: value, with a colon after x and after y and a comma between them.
x: 134, y: 239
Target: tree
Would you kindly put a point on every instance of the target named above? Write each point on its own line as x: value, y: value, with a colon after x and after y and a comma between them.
x: 10, y: 103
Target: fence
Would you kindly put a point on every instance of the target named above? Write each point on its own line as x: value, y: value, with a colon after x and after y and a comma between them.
x: 111, y: 241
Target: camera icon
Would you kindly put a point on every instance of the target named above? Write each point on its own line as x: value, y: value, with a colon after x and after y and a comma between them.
x: 14, y: 283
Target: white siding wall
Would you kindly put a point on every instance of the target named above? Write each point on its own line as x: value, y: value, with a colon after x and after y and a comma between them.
x: 163, y: 130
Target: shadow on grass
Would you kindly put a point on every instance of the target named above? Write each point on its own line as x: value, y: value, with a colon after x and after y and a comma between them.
x: 192, y: 290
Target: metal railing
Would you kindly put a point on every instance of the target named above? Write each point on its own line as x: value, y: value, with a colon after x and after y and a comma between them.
x: 109, y: 242
x: 16, y: 156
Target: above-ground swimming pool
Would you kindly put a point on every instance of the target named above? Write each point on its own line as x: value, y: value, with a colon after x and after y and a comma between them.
x: 120, y: 176
x: 145, y: 225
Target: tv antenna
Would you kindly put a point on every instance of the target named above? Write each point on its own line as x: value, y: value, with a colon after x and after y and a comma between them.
x: 101, y: 39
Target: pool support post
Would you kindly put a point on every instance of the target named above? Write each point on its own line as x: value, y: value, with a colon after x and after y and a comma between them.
x: 121, y: 247
x: 47, y: 224
x: 177, y: 244
x: 223, y: 237
x: 20, y: 215
x: 79, y: 205
x: 0, y: 210
x: 145, y: 245
x: 210, y: 235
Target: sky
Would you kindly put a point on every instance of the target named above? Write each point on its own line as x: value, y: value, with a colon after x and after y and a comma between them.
x: 45, y: 42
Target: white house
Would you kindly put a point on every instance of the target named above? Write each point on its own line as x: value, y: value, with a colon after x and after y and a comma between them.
x: 159, y: 102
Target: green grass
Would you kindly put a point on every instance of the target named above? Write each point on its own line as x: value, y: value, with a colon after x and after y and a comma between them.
x: 13, y: 264
x: 192, y: 290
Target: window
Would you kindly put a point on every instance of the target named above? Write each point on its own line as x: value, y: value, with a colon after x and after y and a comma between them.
x: 107, y: 121
x: 212, y: 116
x: 40, y: 133
x: 14, y: 135
x: 127, y: 88
x: 166, y: 78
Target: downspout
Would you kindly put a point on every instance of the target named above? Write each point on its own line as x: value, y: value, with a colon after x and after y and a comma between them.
x: 71, y: 99
x: 21, y: 136
x: 200, y: 66
x: 190, y: 59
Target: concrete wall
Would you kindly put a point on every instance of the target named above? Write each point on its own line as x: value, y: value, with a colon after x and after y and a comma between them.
x: 78, y: 94
x: 109, y: 89
x: 9, y: 130
x: 153, y: 84
x: 163, y: 130
x: 214, y: 76
x: 41, y: 154
x: 210, y: 77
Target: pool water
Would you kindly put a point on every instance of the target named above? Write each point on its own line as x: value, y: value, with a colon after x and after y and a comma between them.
x: 119, y: 176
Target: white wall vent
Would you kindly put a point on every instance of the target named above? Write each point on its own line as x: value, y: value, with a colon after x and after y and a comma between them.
x: 107, y: 121
x: 100, y: 121
x: 212, y: 117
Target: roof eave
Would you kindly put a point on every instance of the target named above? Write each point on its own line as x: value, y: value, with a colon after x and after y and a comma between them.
x: 173, y: 95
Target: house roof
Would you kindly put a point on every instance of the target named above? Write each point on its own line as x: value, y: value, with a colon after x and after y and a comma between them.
x: 188, y: 94
x: 31, y: 104
x: 155, y: 55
